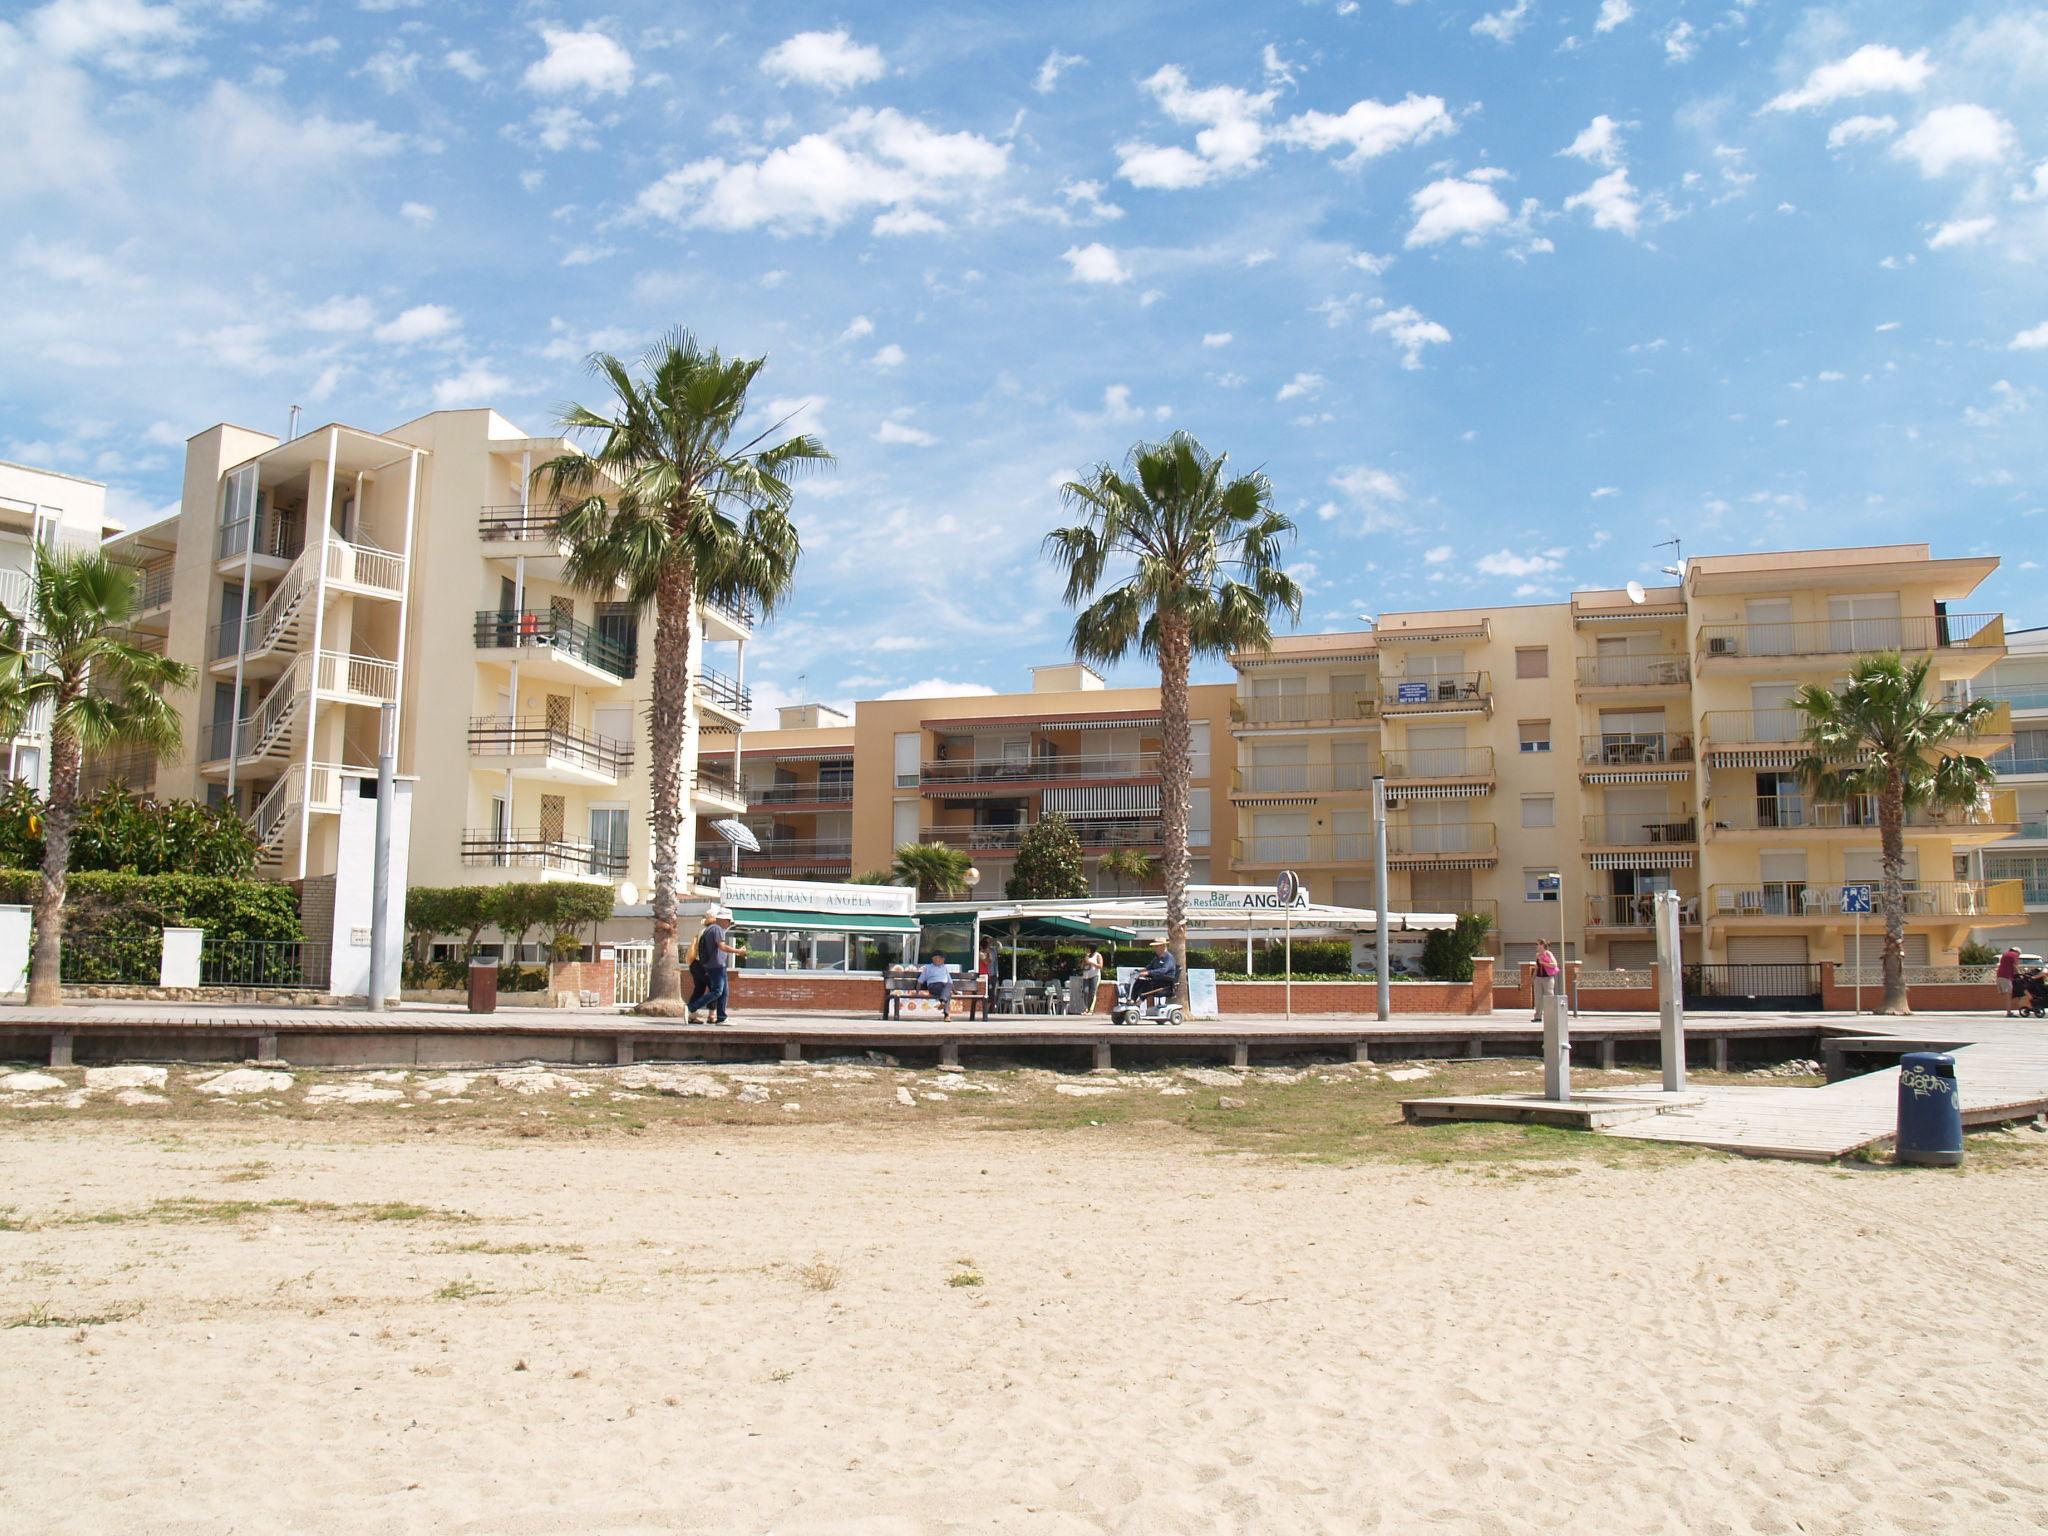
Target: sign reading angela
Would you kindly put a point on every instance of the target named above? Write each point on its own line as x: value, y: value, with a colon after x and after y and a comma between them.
x: 813, y: 896
x: 1241, y: 898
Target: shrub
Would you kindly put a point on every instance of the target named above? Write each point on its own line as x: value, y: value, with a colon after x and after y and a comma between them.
x: 118, y: 832
x: 1974, y: 953
x: 1447, y: 953
x: 1048, y: 863
x: 1322, y: 957
x: 113, y: 923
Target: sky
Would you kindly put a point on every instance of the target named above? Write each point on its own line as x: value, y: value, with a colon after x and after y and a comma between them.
x: 1498, y: 295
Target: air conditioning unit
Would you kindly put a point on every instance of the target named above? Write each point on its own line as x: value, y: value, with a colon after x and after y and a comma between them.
x: 1720, y: 645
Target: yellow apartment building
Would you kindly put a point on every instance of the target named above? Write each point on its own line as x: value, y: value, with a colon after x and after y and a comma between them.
x: 2020, y: 682
x: 313, y: 580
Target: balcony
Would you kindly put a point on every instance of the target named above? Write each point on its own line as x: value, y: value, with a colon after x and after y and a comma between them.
x: 1441, y: 845
x: 1634, y: 673
x: 1639, y: 911
x: 1451, y: 693
x: 1996, y: 818
x: 1094, y: 836
x: 532, y: 748
x: 1301, y: 850
x: 1727, y: 644
x: 152, y: 588
x: 723, y: 695
x: 532, y: 533
x: 1439, y: 772
x: 490, y: 849
x: 716, y: 789
x: 133, y: 770
x: 1927, y: 902
x: 726, y: 620
x: 951, y: 773
x: 1776, y: 737
x: 15, y: 587
x: 2019, y: 696
x: 267, y: 543
x: 1268, y: 780
x: 554, y: 647
x: 827, y: 792
x: 799, y: 853
x: 1280, y: 710
x: 1638, y: 830
x: 1635, y: 757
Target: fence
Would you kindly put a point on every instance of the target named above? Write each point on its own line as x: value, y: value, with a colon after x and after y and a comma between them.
x: 292, y: 964
x: 1918, y: 975
x: 1789, y: 985
x: 632, y: 966
x: 1611, y: 981
x: 133, y: 958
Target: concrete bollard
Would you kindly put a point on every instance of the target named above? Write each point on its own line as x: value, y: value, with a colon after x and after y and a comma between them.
x: 15, y: 932
x: 179, y: 966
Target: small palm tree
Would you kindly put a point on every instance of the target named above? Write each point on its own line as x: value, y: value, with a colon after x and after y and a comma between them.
x: 938, y: 870
x: 1198, y: 559
x: 1879, y: 737
x: 1132, y: 864
x: 666, y: 506
x: 67, y: 659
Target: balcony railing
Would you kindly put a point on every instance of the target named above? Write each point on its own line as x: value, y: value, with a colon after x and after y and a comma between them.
x: 1785, y: 726
x: 152, y: 587
x: 1637, y: 911
x: 1303, y: 708
x: 533, y: 736
x: 2035, y: 827
x: 540, y: 523
x: 1634, y: 749
x: 725, y: 693
x: 1640, y: 830
x: 276, y: 537
x: 1281, y: 850
x: 15, y: 585
x: 2018, y: 695
x: 1823, y: 902
x: 501, y: 629
x: 799, y: 850
x: 1438, y: 763
x: 820, y: 792
x: 1796, y: 813
x: 1092, y: 834
x: 1450, y: 690
x: 1634, y: 671
x: 484, y: 848
x: 1301, y: 778
x: 737, y: 614
x: 134, y: 769
x: 1047, y: 766
x: 1846, y: 637
x: 1434, y: 837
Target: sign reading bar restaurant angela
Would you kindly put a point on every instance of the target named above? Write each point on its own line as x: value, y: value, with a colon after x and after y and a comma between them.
x: 811, y: 896
x: 1240, y: 898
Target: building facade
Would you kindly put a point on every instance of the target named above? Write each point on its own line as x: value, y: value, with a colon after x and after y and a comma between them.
x: 2020, y: 682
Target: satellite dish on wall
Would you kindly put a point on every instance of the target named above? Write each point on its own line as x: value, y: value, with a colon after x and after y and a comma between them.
x: 1636, y: 594
x: 629, y: 894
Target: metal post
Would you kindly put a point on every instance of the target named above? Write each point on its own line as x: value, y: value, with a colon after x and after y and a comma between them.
x: 380, y: 866
x: 319, y: 592
x: 1383, y: 997
x: 1557, y: 1051
x: 1671, y: 1004
x: 1564, y: 969
x: 1859, y: 959
x: 1287, y: 926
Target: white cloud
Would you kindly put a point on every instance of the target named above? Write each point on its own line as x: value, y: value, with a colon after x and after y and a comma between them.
x: 1681, y: 42
x: 1887, y: 325
x: 243, y: 134
x: 903, y: 432
x: 417, y: 213
x: 1095, y: 263
x: 800, y: 413
x: 1216, y: 339
x: 907, y: 221
x: 1507, y: 563
x: 2006, y: 401
x: 1854, y: 130
x: 871, y: 159
x: 1872, y: 68
x: 832, y: 61
x: 860, y: 326
x: 1410, y: 331
x: 1371, y: 128
x: 1598, y: 143
x: 1960, y: 232
x: 938, y: 688
x: 472, y: 387
x: 124, y: 35
x: 1301, y: 386
x: 1373, y: 493
x: 1612, y: 14
x: 465, y: 64
x: 1055, y: 65
x: 1602, y: 492
x: 342, y: 313
x: 423, y: 322
x: 891, y: 643
x: 1085, y: 200
x: 2032, y: 340
x: 891, y: 356
x: 587, y: 61
x: 1964, y: 134
x: 1462, y: 207
x: 1611, y: 202
x: 1502, y: 25
x: 1117, y: 406
x: 558, y: 128
x: 1438, y: 555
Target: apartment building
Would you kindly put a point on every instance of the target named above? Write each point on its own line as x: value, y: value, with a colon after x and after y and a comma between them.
x: 829, y: 796
x: 316, y: 579
x: 41, y: 509
x: 2020, y: 683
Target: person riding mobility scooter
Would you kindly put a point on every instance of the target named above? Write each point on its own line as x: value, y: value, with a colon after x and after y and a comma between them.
x: 1151, y: 996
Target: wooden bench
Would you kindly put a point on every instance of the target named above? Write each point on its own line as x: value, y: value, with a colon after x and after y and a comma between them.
x: 902, y: 997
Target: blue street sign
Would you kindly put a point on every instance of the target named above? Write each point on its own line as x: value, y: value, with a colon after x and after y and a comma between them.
x: 1411, y: 693
x: 1549, y: 882
x: 1856, y: 898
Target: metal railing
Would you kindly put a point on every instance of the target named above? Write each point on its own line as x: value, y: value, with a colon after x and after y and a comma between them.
x: 1796, y: 813
x: 361, y: 563
x: 1024, y: 770
x: 1281, y: 849
x: 2018, y: 695
x: 1134, y: 833
x: 1823, y: 902
x: 527, y: 628
x: 533, y: 736
x: 1303, y: 708
x: 2008, y: 766
x: 1441, y: 690
x: 725, y: 693
x: 1438, y: 763
x: 276, y: 537
x: 809, y: 792
x: 1789, y: 979
x: 134, y: 769
x: 152, y: 586
x: 2033, y: 827
x: 1634, y: 671
x: 1637, y: 911
x: 715, y: 778
x: 1300, y: 778
x: 736, y: 614
x: 538, y: 523
x: 486, y: 848
x: 132, y: 958
x: 1631, y: 749
x: 824, y: 850
x: 1641, y: 829
x: 15, y: 587
x: 365, y: 676
x: 1845, y: 637
x: 299, y: 965
x: 1434, y: 837
x: 1781, y: 726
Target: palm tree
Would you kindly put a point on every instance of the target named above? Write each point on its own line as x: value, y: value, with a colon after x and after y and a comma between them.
x: 938, y: 870
x: 68, y: 659
x: 1132, y: 864
x: 1880, y: 738
x: 666, y: 507
x: 1198, y: 557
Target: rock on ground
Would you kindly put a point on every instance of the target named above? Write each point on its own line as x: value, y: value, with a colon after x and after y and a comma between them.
x: 351, y: 1093
x: 1409, y: 1074
x: 528, y: 1081
x: 30, y: 1082
x: 754, y: 1093
x: 247, y: 1080
x: 1085, y: 1090
x: 135, y: 1098
x: 1211, y: 1077
x: 126, y: 1077
x: 905, y: 1098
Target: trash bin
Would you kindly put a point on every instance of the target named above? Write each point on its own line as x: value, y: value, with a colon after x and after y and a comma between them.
x: 1930, y: 1110
x: 483, y: 986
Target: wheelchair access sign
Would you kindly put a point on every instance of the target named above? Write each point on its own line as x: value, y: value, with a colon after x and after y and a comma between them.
x: 1856, y: 898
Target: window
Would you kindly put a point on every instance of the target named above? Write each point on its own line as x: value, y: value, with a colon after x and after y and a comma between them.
x: 608, y: 839
x: 1539, y: 810
x: 1535, y: 735
x: 1532, y: 661
x: 618, y: 624
x: 908, y: 745
x: 902, y: 823
x: 1533, y: 885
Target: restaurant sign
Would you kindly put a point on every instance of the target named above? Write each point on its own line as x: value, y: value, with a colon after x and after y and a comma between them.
x: 1241, y: 898
x: 815, y: 896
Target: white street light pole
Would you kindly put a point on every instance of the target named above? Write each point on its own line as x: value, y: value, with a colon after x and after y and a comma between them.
x: 1383, y: 998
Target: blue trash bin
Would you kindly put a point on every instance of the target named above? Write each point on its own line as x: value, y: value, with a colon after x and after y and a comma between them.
x: 1930, y: 1110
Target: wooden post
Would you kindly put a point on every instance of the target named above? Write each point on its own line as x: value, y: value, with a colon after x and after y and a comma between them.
x: 1102, y: 1056
x: 60, y: 1050
x: 623, y: 1048
x: 1361, y: 1051
x: 1720, y: 1053
x: 949, y: 1055
x: 791, y: 1051
x: 1241, y: 1054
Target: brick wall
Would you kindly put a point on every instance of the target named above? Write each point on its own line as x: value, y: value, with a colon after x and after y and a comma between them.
x: 807, y: 992
x: 568, y: 980
x: 1238, y: 998
x: 1986, y: 997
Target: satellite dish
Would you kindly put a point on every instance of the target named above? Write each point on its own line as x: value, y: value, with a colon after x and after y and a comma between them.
x: 629, y: 894
x: 739, y: 834
x: 1636, y: 594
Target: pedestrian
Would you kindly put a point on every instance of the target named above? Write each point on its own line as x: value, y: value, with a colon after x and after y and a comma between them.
x: 1091, y: 977
x: 1546, y: 978
x: 2009, y: 974
x: 708, y: 1003
x: 935, y: 977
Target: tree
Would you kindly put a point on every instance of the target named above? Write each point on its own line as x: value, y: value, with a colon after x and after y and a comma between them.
x: 515, y: 907
x: 69, y: 657
x: 938, y: 870
x: 1882, y: 740
x: 116, y: 831
x: 666, y: 511
x: 1198, y: 557
x: 1447, y: 953
x: 1130, y: 864
x: 574, y: 904
x: 1049, y: 866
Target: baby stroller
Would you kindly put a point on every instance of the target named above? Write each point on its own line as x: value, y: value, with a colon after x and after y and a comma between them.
x: 2034, y: 1003
x: 1159, y: 1008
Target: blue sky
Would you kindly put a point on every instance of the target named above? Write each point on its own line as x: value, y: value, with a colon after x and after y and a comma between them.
x: 1498, y: 294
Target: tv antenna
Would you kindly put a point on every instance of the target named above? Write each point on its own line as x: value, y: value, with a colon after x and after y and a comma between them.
x: 1677, y: 565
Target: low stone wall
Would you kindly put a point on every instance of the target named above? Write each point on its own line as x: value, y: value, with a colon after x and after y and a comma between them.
x: 460, y: 996
x: 268, y: 997
x: 1927, y: 997
x: 806, y: 992
x: 1238, y: 998
x: 577, y: 983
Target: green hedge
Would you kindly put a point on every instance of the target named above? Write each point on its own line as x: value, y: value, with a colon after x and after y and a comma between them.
x: 113, y: 923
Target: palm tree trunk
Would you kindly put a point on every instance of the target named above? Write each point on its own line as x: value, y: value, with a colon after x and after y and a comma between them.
x: 1175, y: 766
x: 1891, y: 822
x: 45, y: 988
x: 668, y: 719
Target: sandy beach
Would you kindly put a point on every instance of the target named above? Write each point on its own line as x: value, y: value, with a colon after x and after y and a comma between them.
x: 342, y: 1318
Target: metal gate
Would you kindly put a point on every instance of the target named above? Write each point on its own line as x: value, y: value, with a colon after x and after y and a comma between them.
x: 1766, y: 987
x: 632, y: 964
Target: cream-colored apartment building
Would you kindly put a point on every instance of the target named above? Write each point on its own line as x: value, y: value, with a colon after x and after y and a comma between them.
x: 311, y: 581
x: 2020, y: 682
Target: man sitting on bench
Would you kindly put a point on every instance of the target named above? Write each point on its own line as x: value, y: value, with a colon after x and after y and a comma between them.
x: 1159, y: 979
x: 936, y: 978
